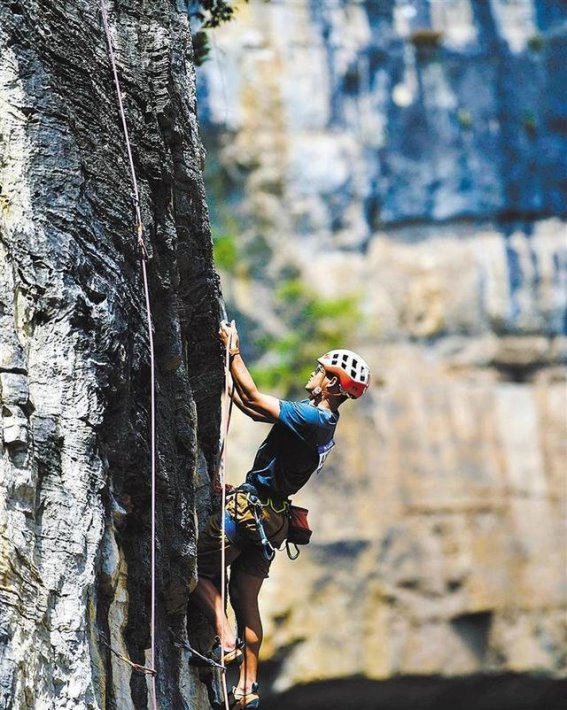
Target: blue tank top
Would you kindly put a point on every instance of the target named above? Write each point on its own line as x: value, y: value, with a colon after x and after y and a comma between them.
x: 295, y: 448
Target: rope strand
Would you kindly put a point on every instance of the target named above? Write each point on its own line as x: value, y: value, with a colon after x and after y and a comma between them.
x: 226, y: 423
x: 136, y: 666
x: 136, y: 193
x: 153, y: 483
x: 144, y: 258
x: 205, y: 660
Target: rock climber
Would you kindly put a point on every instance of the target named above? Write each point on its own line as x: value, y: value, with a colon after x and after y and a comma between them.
x: 257, y: 511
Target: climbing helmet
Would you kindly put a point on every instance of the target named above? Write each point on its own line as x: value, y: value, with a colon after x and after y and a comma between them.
x: 353, y: 372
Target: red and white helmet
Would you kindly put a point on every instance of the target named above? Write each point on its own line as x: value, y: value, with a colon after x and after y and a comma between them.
x: 350, y: 368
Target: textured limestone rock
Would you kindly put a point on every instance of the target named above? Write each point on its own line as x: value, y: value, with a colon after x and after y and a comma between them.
x: 339, y: 118
x: 74, y: 358
x: 409, y: 154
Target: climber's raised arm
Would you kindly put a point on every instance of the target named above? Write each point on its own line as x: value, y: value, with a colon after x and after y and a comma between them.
x: 247, y: 410
x: 248, y: 398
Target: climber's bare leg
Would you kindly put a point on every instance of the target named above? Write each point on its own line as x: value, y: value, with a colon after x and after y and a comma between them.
x: 244, y: 590
x: 208, y: 598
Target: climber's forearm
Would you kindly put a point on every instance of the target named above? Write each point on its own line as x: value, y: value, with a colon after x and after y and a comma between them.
x: 250, y: 396
x: 256, y: 416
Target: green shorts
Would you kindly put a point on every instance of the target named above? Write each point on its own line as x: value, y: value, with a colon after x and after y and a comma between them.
x: 248, y: 556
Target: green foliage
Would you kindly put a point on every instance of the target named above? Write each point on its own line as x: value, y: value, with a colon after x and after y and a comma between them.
x: 201, y: 48
x: 290, y: 291
x: 225, y: 252
x: 315, y: 325
x: 210, y: 14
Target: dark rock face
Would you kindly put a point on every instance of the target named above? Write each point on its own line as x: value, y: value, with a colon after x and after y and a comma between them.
x: 74, y: 355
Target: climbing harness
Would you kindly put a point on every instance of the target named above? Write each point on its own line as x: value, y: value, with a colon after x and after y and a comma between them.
x: 151, y: 669
x: 299, y: 532
x: 256, y: 505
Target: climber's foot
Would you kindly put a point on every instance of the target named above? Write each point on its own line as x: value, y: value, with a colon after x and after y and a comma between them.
x: 232, y: 656
x: 237, y: 700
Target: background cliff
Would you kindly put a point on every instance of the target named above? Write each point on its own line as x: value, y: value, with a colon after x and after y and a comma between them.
x: 74, y: 360
x: 400, y: 164
x: 404, y: 163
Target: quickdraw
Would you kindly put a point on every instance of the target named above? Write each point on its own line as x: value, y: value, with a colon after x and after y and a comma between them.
x: 268, y: 550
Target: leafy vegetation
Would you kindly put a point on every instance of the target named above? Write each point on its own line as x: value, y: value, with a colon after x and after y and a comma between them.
x: 310, y: 324
x: 225, y: 252
x: 209, y: 14
x: 201, y: 48
x: 212, y: 13
x: 315, y: 324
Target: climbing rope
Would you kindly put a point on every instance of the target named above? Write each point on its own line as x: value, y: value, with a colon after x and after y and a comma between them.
x: 151, y: 669
x: 227, y: 408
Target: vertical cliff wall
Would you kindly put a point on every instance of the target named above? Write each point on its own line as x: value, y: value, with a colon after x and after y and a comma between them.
x: 410, y: 155
x: 74, y: 359
x: 338, y: 119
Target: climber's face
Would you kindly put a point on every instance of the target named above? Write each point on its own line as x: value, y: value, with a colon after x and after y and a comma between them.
x: 316, y: 379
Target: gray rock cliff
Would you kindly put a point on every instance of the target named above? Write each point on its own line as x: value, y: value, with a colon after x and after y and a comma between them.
x: 74, y: 357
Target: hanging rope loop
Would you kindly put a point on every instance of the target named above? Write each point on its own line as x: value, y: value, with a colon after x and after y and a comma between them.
x: 138, y: 667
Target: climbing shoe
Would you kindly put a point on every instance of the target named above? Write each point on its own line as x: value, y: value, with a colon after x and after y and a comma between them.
x: 238, y: 700
x: 232, y: 657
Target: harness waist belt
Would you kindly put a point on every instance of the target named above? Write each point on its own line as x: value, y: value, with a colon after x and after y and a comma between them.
x: 265, y: 495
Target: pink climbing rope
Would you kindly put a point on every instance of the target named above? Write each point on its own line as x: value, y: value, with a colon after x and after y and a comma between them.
x: 153, y: 486
x: 222, y: 483
x: 139, y: 232
x: 136, y: 192
x: 151, y: 669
